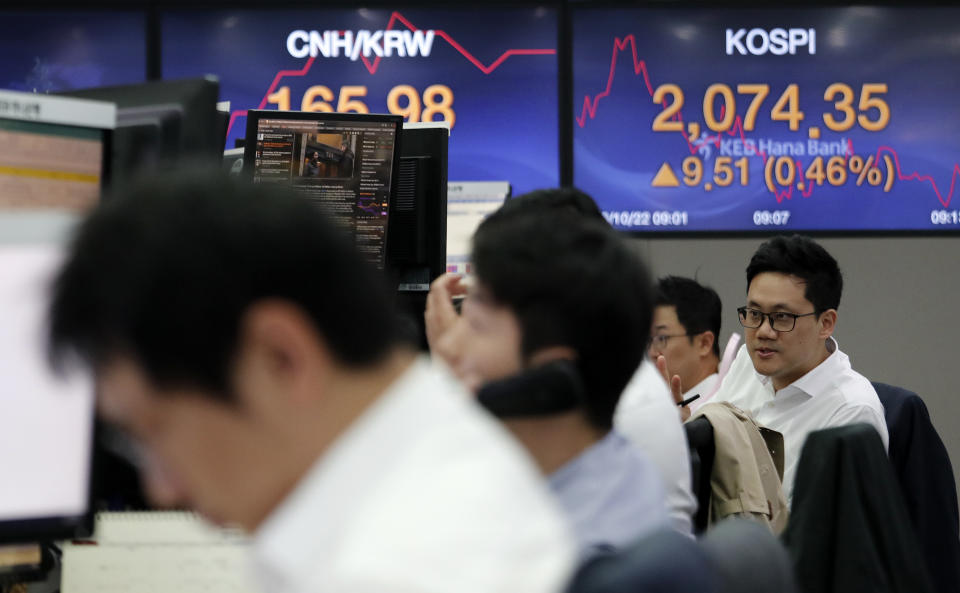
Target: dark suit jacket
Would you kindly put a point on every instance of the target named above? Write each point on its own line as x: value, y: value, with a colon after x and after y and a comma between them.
x: 849, y: 530
x: 662, y: 562
x: 923, y: 470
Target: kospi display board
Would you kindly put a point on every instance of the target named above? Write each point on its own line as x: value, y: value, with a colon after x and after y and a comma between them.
x: 49, y: 51
x: 820, y: 119
x: 491, y: 74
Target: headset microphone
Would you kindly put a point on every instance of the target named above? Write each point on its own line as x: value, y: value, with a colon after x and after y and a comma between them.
x: 543, y: 390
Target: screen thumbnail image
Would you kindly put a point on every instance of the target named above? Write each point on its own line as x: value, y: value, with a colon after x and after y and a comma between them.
x: 327, y: 156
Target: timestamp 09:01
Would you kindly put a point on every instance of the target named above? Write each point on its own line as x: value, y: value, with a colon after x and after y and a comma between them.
x: 626, y: 219
x: 945, y: 217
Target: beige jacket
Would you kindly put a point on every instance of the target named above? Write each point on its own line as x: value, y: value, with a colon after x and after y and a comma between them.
x: 747, y: 468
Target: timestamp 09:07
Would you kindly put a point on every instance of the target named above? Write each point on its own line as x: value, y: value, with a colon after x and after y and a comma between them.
x: 945, y: 217
x: 770, y: 217
x: 627, y: 219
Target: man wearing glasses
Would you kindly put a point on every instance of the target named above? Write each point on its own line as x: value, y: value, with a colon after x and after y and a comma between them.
x: 686, y: 331
x: 790, y: 373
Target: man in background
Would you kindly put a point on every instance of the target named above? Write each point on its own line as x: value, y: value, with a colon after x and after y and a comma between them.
x: 686, y: 331
x: 346, y: 160
x: 553, y: 284
x: 313, y: 164
x: 790, y: 374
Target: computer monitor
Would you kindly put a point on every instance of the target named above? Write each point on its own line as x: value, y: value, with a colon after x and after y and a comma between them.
x: 54, y: 160
x: 162, y: 124
x: 48, y: 419
x: 468, y: 204
x: 53, y: 151
x: 417, y: 247
x: 345, y: 163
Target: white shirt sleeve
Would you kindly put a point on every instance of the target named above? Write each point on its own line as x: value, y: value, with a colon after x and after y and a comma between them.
x: 647, y: 416
x: 862, y: 413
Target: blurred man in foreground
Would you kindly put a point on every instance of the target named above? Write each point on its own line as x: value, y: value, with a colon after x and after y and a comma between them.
x: 250, y: 356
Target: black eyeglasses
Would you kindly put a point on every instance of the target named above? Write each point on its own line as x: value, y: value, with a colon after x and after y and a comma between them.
x: 660, y: 342
x: 780, y: 321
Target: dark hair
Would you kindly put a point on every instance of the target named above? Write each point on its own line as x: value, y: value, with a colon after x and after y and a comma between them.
x: 698, y: 307
x: 164, y: 271
x: 567, y: 199
x: 571, y: 281
x: 802, y: 257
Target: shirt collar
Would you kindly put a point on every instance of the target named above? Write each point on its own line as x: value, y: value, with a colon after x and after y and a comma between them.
x: 817, y: 379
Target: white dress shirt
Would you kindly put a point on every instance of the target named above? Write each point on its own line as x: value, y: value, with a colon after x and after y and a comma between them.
x: 831, y: 394
x: 704, y: 389
x: 648, y: 416
x: 424, y: 493
x: 709, y: 386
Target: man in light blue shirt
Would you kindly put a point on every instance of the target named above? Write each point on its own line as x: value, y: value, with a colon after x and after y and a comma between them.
x: 553, y: 284
x: 611, y: 493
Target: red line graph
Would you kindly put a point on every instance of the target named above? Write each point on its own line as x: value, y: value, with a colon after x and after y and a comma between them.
x: 372, y: 67
x: 590, y: 106
x: 396, y: 16
x: 915, y: 176
x: 273, y: 87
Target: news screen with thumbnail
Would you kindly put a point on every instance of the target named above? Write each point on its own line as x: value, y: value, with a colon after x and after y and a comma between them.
x: 490, y: 74
x: 813, y: 119
x: 344, y: 167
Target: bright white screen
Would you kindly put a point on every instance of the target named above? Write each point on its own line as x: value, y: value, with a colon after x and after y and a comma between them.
x: 47, y: 422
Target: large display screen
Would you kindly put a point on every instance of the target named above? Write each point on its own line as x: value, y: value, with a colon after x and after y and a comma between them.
x: 491, y: 74
x: 50, y: 51
x: 815, y: 119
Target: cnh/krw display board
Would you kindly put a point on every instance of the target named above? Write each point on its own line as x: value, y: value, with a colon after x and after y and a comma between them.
x: 489, y: 72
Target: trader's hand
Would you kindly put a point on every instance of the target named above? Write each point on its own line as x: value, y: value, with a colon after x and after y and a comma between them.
x: 676, y: 389
x: 440, y: 316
